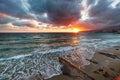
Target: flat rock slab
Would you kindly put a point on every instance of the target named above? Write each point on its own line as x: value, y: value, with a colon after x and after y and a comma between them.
x: 105, y: 65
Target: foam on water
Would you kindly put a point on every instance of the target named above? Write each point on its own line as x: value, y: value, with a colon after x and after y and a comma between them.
x: 15, y: 57
x: 46, y: 63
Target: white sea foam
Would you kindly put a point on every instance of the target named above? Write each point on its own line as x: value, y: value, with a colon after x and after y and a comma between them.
x: 15, y: 57
x: 45, y: 63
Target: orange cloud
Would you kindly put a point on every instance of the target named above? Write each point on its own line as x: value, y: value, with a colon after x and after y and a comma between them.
x: 33, y: 23
x: 3, y: 15
x: 81, y: 27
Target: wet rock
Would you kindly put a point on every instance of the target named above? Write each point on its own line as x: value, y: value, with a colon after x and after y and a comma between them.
x: 96, y: 72
x: 101, y: 70
x: 73, y: 71
x: 34, y: 77
x: 106, y: 75
x: 112, y: 69
x: 109, y: 55
x: 117, y: 49
x: 92, y: 61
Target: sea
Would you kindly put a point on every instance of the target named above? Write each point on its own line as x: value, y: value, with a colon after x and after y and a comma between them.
x: 26, y: 54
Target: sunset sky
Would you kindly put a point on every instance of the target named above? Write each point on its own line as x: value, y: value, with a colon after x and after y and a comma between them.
x: 58, y: 15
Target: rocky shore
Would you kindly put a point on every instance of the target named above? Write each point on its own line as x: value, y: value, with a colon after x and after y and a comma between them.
x: 105, y: 65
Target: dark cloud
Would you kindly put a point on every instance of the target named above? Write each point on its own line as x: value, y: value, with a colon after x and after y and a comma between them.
x: 103, y: 13
x: 12, y: 7
x: 38, y: 6
x: 21, y: 23
x: 98, y: 13
x: 63, y: 11
x: 99, y: 9
x: 5, y: 20
x: 25, y: 23
x: 58, y: 11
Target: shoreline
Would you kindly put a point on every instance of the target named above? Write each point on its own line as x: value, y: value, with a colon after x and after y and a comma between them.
x: 103, y: 66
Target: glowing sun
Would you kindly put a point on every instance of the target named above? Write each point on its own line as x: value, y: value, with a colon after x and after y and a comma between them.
x: 75, y: 30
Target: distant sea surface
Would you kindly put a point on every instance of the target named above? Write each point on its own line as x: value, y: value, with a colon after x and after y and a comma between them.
x: 26, y: 54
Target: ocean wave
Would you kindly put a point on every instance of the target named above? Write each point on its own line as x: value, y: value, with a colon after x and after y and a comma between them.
x: 46, y: 63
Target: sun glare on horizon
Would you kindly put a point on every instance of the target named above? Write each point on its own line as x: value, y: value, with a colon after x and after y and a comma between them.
x: 75, y: 30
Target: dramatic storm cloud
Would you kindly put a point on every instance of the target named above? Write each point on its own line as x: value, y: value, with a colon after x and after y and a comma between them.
x: 63, y: 11
x: 93, y: 13
x: 101, y: 13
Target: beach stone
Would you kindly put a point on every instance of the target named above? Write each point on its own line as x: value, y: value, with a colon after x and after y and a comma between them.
x: 34, y: 77
x: 68, y: 70
x: 117, y: 78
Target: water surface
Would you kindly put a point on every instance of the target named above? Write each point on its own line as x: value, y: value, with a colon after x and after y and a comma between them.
x: 23, y: 55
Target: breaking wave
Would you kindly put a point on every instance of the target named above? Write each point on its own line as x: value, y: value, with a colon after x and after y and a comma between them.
x: 46, y: 63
